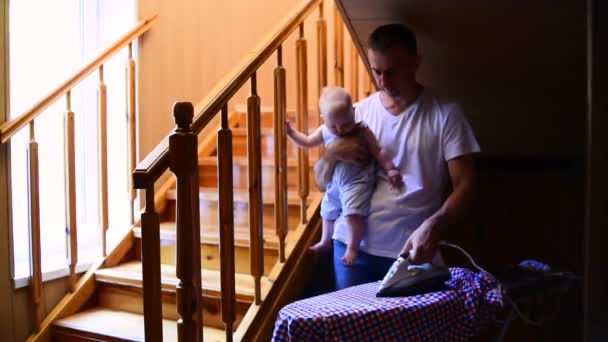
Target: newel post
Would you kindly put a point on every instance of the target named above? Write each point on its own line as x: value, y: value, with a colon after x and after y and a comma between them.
x: 183, y: 162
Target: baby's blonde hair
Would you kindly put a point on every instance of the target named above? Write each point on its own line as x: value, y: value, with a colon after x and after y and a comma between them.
x: 334, y: 99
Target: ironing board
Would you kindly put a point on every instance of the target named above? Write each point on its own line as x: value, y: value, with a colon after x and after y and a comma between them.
x: 356, y: 314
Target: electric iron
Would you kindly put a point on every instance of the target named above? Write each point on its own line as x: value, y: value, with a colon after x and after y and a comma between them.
x: 404, y: 279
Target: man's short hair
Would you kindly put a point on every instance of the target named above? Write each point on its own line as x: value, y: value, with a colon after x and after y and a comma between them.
x: 387, y: 36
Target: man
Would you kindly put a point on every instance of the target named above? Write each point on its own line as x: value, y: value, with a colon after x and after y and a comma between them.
x: 431, y: 144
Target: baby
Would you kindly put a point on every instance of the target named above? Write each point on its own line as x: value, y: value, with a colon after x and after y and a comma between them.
x: 350, y: 188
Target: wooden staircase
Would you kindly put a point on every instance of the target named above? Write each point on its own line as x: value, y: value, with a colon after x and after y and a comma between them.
x: 115, y: 311
x: 106, y: 302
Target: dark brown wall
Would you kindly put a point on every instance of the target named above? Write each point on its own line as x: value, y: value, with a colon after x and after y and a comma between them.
x: 517, y: 67
x: 596, y: 251
x: 519, y: 70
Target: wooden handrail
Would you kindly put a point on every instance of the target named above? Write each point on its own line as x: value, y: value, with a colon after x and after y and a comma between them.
x: 157, y: 161
x: 11, y: 127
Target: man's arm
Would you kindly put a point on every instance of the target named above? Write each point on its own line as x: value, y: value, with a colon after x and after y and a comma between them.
x: 303, y: 140
x: 422, y: 244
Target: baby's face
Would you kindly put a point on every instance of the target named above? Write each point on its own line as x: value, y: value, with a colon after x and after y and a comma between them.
x: 340, y: 122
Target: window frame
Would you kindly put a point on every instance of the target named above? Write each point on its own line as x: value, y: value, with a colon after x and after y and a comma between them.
x: 21, y: 273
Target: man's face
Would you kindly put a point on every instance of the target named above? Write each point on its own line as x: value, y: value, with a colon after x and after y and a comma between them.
x: 394, y: 70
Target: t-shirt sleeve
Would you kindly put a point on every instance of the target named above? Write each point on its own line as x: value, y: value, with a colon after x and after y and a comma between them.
x: 458, y: 137
x: 358, y: 115
x: 324, y: 133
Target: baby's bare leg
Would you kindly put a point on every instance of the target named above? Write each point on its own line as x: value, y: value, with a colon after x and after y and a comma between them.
x: 356, y: 225
x: 327, y: 232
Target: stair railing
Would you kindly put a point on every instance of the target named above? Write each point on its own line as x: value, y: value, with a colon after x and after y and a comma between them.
x: 166, y: 155
x: 160, y: 159
x: 9, y: 128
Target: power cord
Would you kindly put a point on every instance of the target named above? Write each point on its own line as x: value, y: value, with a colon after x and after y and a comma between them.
x: 500, y: 286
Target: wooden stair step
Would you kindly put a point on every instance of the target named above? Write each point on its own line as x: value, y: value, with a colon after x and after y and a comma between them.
x: 209, y: 212
x: 210, y: 251
x: 243, y: 161
x: 239, y: 143
x: 239, y: 195
x: 130, y: 273
x: 240, y: 171
x: 102, y: 324
x: 242, y: 131
x: 121, y: 288
x: 267, y: 117
x: 210, y: 235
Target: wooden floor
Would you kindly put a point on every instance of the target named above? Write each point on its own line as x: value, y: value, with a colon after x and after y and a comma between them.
x: 131, y: 274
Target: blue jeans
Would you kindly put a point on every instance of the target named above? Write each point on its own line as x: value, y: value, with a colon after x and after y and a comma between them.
x: 367, y: 268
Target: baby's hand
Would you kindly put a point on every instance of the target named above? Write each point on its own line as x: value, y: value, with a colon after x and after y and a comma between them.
x: 288, y: 128
x: 394, y: 177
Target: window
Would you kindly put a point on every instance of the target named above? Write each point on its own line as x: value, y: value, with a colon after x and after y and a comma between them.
x: 49, y: 41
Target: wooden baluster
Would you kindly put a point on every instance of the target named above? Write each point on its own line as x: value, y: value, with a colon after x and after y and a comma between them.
x: 302, y: 93
x: 256, y: 228
x: 321, y: 59
x: 321, y: 50
x: 150, y: 256
x: 132, y: 126
x: 338, y: 48
x: 226, y: 219
x: 354, y: 71
x: 34, y: 223
x: 280, y: 154
x: 196, y: 240
x: 70, y: 189
x: 103, y: 161
x: 183, y: 161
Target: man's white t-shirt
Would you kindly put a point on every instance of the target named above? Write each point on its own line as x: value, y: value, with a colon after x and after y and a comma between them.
x: 420, y: 140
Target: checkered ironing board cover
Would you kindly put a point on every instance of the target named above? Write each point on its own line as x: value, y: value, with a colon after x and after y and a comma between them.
x: 356, y: 314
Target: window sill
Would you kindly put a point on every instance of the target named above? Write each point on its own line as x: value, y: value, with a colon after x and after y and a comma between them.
x: 52, y: 274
